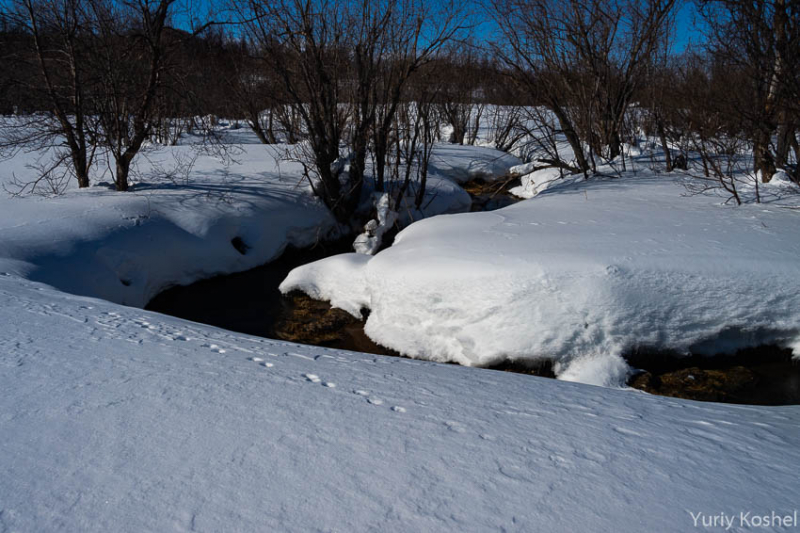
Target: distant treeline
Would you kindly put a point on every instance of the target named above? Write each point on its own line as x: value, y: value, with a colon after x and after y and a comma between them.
x: 365, y: 73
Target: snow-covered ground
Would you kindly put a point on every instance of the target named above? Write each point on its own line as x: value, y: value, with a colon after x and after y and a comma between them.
x: 117, y: 419
x: 128, y: 247
x: 579, y: 274
x: 179, y: 223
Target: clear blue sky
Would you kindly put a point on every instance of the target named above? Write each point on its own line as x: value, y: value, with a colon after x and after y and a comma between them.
x: 688, y: 28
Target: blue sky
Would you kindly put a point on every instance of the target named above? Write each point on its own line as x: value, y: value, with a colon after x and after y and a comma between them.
x: 688, y: 27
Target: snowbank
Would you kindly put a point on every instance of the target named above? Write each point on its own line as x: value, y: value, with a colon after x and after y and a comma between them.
x: 215, y: 216
x: 581, y: 274
x: 117, y: 419
x: 127, y: 247
x: 463, y: 163
x: 532, y: 183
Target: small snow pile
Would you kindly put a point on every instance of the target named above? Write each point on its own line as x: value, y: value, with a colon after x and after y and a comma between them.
x: 579, y: 275
x: 535, y: 182
x: 525, y: 168
x: 337, y: 279
x: 370, y: 241
x: 604, y: 371
x: 781, y: 179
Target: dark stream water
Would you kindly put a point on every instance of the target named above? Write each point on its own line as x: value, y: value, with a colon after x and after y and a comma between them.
x: 246, y: 302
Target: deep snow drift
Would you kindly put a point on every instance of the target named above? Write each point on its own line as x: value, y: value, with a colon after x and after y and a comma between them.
x: 579, y: 274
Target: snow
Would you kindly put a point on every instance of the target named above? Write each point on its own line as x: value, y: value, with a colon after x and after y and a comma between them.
x: 525, y: 168
x: 126, y: 248
x: 580, y: 274
x: 464, y: 163
x: 781, y: 179
x: 332, y: 278
x: 99, y: 243
x: 117, y: 419
x: 532, y: 183
x: 370, y: 241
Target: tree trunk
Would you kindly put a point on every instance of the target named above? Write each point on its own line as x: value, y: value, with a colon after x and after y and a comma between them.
x: 572, y: 137
x: 662, y: 135
x: 786, y: 132
x: 764, y: 162
x: 614, y: 145
x: 381, y: 143
x: 123, y: 169
x: 81, y: 169
x: 259, y: 132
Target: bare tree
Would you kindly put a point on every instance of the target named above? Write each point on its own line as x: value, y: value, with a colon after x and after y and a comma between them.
x: 583, y: 60
x: 415, y: 34
x: 56, y: 49
x: 343, y: 64
x: 304, y: 43
x: 762, y: 40
x: 101, y: 67
x: 130, y: 59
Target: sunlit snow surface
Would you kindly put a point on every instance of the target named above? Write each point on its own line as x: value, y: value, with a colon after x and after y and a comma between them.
x: 579, y: 274
x: 117, y: 419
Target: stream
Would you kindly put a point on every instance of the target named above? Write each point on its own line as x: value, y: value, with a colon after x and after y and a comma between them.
x: 250, y: 302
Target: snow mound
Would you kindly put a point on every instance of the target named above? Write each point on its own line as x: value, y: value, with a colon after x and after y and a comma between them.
x: 127, y: 247
x: 581, y: 274
x: 442, y: 196
x: 535, y: 182
x: 521, y: 170
x: 464, y: 163
x: 782, y: 179
x: 332, y: 278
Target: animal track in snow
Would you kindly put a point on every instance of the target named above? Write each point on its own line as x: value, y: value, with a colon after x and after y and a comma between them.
x: 313, y: 378
x: 372, y: 400
x: 625, y: 431
x: 214, y: 348
x: 454, y: 426
x: 301, y: 356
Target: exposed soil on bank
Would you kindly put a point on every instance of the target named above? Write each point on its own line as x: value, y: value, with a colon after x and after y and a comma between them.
x: 491, y: 195
x: 766, y: 375
x: 249, y: 302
